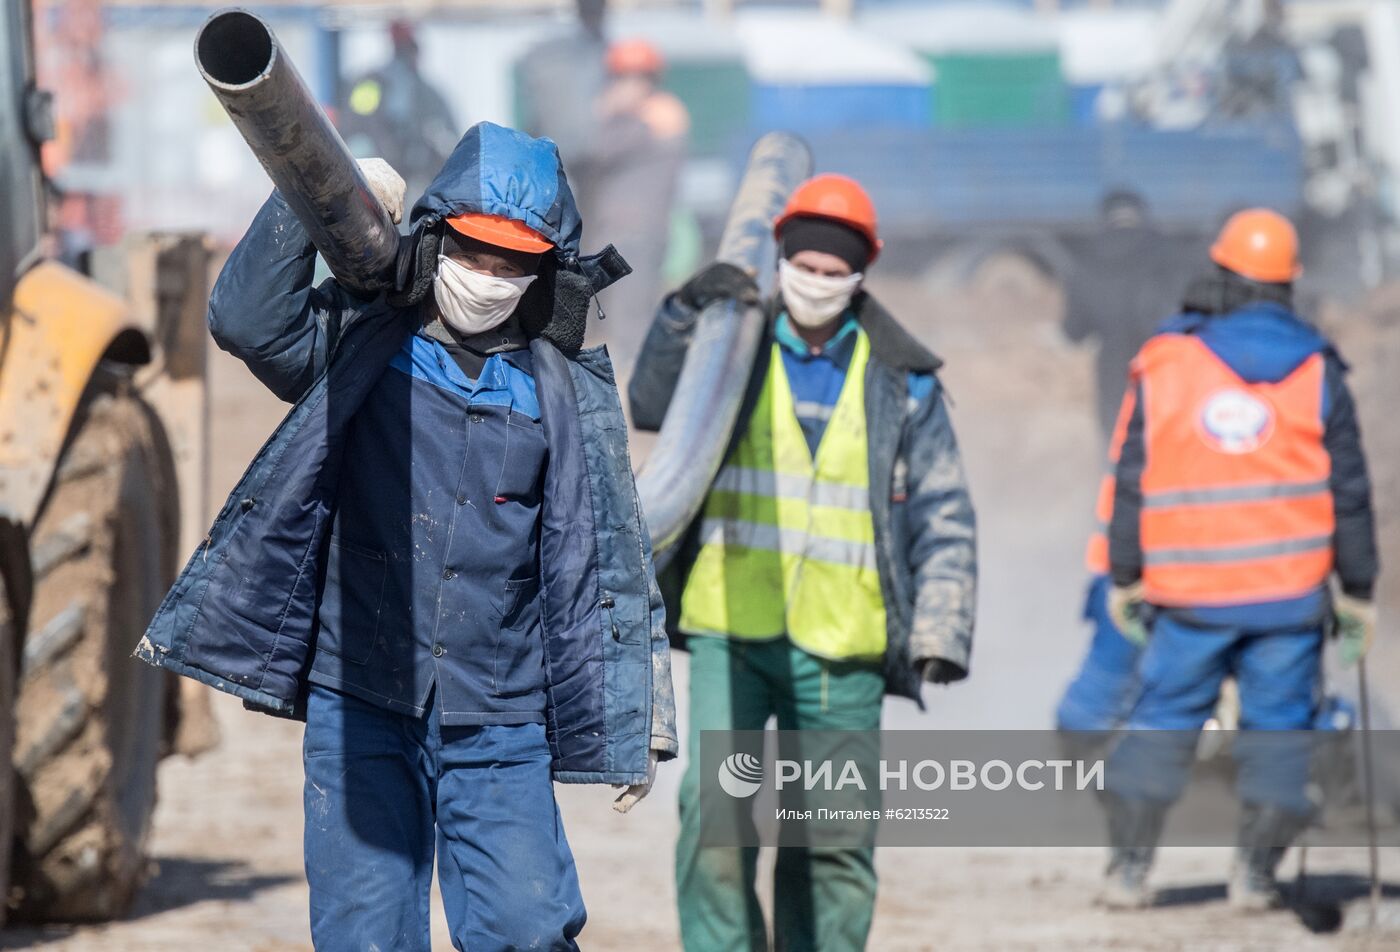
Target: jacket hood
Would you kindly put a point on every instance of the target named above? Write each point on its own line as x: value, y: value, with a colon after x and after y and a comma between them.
x: 1263, y: 343
x: 499, y: 171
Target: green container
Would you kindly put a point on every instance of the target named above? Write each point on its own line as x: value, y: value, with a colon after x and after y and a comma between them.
x: 999, y: 89
x: 716, y: 92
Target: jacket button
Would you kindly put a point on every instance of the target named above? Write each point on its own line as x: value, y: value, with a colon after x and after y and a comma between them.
x: 607, y: 601
x: 476, y: 417
x: 439, y: 651
x: 448, y: 575
x: 247, y: 504
x: 461, y: 500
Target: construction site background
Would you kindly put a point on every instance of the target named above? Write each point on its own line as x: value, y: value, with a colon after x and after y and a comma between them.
x: 989, y: 134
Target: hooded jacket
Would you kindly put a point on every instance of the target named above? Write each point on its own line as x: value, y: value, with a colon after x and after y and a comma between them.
x: 242, y: 615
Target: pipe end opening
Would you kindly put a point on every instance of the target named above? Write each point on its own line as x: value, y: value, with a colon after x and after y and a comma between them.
x: 234, y: 48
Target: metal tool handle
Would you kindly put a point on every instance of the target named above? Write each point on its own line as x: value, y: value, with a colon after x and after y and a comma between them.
x: 1369, y: 778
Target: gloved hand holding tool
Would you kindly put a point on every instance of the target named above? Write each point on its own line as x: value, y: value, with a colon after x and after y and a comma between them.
x: 1356, y: 626
x: 717, y: 282
x: 1125, y: 607
x: 386, y: 184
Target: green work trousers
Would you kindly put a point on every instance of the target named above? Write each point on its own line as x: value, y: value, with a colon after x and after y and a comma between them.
x: 823, y: 897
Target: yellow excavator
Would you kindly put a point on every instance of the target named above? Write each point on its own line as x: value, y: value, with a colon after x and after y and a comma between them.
x: 102, y: 459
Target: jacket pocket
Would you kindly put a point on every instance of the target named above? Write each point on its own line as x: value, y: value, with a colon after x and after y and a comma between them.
x: 521, y: 477
x: 352, y: 601
x: 518, y: 666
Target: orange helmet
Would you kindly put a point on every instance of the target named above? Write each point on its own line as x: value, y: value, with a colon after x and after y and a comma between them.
x: 837, y: 198
x: 627, y: 57
x: 500, y: 231
x: 1258, y: 244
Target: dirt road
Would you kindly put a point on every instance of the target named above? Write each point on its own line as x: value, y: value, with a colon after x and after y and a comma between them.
x: 227, y: 875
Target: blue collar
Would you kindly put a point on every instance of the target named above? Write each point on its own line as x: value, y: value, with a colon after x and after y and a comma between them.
x: 838, y: 348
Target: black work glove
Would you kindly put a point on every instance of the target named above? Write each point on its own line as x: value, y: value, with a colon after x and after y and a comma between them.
x: 939, y: 671
x: 717, y: 282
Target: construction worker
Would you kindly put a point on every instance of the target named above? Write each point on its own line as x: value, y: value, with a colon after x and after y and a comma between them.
x: 393, y: 112
x: 1241, y: 489
x: 437, y: 560
x: 636, y: 168
x: 834, y: 559
x: 1127, y: 278
x: 558, y: 81
x: 1103, y: 690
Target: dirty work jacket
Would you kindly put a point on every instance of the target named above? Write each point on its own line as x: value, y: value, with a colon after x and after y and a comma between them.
x: 1262, y: 343
x: 432, y: 575
x: 925, y: 529
x: 242, y: 615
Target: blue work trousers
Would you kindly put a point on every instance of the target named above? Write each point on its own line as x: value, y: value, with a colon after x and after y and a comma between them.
x: 1181, y: 672
x: 1101, y: 695
x: 384, y: 791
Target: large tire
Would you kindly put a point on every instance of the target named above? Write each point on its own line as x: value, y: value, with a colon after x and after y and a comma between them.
x: 89, y: 717
x: 8, y: 666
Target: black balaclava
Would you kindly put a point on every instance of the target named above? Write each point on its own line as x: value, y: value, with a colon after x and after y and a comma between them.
x: 1222, y: 291
x: 826, y: 235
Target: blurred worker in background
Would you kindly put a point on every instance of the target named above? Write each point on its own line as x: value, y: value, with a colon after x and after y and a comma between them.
x: 438, y: 561
x: 559, y: 81
x: 1241, y: 488
x: 1260, y: 66
x: 394, y: 112
x: 1125, y: 281
x: 834, y: 559
x: 1102, y: 692
x: 636, y: 166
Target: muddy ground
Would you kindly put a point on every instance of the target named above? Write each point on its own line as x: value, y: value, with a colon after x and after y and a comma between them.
x: 227, y: 875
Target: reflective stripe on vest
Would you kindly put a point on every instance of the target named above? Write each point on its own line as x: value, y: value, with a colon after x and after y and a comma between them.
x: 1236, y: 503
x: 787, y: 543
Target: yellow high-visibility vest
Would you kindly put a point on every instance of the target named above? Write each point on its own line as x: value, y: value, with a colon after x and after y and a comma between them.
x: 788, y: 542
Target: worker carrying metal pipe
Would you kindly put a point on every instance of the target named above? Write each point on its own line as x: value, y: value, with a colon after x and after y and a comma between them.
x: 438, y: 560
x: 834, y: 558
x: 1240, y: 492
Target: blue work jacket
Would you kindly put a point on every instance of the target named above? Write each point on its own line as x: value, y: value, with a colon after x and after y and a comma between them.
x: 243, y: 615
x: 432, y: 579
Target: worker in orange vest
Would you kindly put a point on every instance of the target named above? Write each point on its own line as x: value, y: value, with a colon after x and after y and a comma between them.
x: 1241, y: 489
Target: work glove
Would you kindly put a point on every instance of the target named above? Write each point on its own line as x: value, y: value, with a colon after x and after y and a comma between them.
x: 1125, y: 609
x: 717, y: 282
x: 939, y: 671
x: 628, y: 798
x: 1356, y: 626
x: 386, y: 184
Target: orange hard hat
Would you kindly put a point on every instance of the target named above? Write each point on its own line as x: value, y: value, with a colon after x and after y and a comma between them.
x: 836, y: 198
x: 626, y: 57
x: 1258, y: 244
x: 500, y: 231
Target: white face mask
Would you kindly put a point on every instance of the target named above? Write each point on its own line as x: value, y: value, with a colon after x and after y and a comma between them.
x: 814, y: 299
x: 472, y: 302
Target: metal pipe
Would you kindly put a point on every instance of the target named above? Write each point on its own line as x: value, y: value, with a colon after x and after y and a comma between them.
x: 701, y: 418
x: 270, y: 104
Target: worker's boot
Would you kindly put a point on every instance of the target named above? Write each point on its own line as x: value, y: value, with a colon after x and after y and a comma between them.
x: 1134, y: 826
x: 1265, y: 832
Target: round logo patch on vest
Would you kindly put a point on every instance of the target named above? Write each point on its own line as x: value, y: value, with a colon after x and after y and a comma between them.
x: 1234, y: 421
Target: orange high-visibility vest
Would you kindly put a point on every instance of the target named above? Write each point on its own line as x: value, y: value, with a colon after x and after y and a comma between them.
x: 1236, y: 501
x: 1096, y: 554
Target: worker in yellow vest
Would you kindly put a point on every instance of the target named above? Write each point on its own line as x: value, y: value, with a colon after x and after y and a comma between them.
x: 834, y: 559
